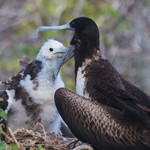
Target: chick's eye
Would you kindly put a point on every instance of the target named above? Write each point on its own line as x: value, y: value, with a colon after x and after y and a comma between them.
x: 50, y: 49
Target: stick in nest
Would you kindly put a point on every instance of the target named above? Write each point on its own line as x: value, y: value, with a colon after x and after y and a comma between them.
x: 13, y: 137
x: 83, y: 147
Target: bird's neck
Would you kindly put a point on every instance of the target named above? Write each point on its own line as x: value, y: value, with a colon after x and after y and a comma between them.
x: 86, y: 44
x: 49, y: 67
x: 84, y: 49
x: 85, y: 71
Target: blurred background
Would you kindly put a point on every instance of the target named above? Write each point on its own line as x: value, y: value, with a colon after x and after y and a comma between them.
x: 124, y: 26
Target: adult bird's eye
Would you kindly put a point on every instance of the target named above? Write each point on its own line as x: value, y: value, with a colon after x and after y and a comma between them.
x: 72, y: 24
x: 51, y: 49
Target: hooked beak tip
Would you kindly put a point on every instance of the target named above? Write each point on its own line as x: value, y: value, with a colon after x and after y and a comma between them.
x: 36, y: 33
x: 38, y: 30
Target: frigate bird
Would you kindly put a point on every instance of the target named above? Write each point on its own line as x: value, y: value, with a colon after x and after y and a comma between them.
x: 29, y: 97
x: 106, y: 111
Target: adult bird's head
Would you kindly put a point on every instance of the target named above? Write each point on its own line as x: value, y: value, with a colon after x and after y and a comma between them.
x: 85, y: 39
x: 86, y: 30
x: 52, y: 55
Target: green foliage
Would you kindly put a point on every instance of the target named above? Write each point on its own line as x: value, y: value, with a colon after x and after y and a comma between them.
x: 106, y: 42
x: 1, y: 99
x: 104, y: 8
x: 28, y: 50
x: 40, y: 147
x: 67, y: 73
x: 11, y: 65
x: 3, y: 114
x: 12, y: 146
x: 1, y: 130
x: 2, y: 145
x: 125, y: 26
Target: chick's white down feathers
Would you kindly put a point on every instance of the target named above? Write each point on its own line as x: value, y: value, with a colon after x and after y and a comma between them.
x: 51, y: 55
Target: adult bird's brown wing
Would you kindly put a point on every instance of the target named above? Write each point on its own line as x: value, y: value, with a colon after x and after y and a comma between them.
x: 135, y: 91
x: 115, y: 96
x: 98, y: 124
x: 133, y: 111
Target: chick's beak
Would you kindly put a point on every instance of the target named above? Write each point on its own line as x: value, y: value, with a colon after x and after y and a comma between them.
x: 59, y: 54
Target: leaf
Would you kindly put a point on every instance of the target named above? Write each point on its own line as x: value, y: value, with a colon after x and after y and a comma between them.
x: 13, y: 147
x: 31, y: 148
x: 40, y: 147
x: 1, y: 130
x: 1, y: 99
x: 2, y: 145
x: 3, y: 114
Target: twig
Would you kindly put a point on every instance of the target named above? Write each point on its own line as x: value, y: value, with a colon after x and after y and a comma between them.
x: 7, y: 138
x: 87, y: 147
x: 73, y: 143
x: 15, y: 140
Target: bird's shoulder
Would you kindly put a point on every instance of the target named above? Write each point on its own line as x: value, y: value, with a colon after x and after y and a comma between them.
x: 105, y: 84
x: 134, y: 90
x: 101, y: 71
x: 100, y: 68
x: 31, y: 68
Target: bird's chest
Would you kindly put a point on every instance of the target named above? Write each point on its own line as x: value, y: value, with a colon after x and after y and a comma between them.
x: 17, y: 116
x: 50, y: 118
x: 41, y: 89
x: 81, y: 82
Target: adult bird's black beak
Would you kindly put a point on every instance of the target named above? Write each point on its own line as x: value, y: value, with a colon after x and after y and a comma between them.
x: 70, y: 49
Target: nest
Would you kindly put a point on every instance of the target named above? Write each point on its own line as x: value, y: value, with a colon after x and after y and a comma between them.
x: 26, y: 139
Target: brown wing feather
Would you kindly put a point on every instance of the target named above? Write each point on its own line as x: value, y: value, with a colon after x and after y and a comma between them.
x: 135, y: 91
x: 32, y: 69
x: 3, y: 102
x: 24, y: 62
x: 100, y: 68
x: 115, y: 95
x: 92, y: 122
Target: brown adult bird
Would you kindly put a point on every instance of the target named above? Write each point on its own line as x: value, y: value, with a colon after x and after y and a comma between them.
x: 106, y: 111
